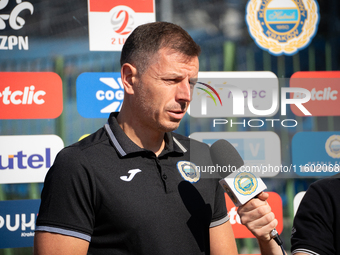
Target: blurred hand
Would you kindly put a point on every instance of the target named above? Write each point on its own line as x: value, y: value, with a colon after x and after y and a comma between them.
x: 257, y: 216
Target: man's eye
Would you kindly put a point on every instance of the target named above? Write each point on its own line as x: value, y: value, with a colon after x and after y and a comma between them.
x: 193, y: 82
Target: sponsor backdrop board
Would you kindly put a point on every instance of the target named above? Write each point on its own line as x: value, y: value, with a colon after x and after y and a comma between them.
x: 27, y: 158
x: 261, y: 151
x: 17, y: 222
x: 99, y: 94
x: 324, y: 88
x: 227, y: 94
x: 30, y: 95
x: 316, y: 153
x: 241, y: 231
x: 111, y: 22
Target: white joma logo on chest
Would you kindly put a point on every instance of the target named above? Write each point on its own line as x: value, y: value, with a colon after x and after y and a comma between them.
x: 132, y: 173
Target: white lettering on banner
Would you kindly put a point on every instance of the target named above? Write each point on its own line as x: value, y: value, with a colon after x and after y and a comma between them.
x: 15, y: 227
x: 28, y: 96
x: 27, y: 234
x: 109, y: 95
x: 16, y: 224
x: 30, y: 224
x: 234, y: 217
x: 16, y: 23
x: 320, y: 95
x: 8, y: 42
x: 117, y: 93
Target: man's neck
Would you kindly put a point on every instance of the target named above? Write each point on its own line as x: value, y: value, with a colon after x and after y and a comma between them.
x: 144, y: 137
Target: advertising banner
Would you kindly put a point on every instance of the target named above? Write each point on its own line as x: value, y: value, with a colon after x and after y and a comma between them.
x: 27, y: 158
x: 316, y: 153
x: 230, y: 94
x: 17, y: 222
x: 99, y: 94
x: 324, y: 87
x: 112, y: 21
x: 260, y: 151
x: 30, y: 95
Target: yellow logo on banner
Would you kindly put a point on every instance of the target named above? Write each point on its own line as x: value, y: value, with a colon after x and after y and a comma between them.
x: 332, y: 146
x: 282, y: 26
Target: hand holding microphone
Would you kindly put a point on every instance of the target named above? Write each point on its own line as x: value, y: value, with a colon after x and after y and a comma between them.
x: 242, y: 187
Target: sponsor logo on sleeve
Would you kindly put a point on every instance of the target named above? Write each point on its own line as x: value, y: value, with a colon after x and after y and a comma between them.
x: 27, y: 158
x: 17, y: 223
x: 30, y: 95
x: 99, y: 94
x: 111, y: 22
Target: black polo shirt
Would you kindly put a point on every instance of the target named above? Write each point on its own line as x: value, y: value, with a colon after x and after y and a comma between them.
x: 316, y: 227
x: 125, y: 200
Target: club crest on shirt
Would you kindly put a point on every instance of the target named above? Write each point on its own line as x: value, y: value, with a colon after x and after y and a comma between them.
x: 282, y: 26
x: 188, y: 171
x: 245, y: 183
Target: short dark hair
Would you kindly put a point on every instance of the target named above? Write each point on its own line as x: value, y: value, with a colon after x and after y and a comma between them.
x: 147, y: 39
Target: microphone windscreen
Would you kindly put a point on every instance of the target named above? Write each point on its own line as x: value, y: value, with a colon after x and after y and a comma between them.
x: 225, y: 155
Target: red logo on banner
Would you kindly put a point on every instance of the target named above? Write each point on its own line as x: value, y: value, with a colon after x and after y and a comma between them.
x: 111, y: 21
x: 241, y: 231
x: 35, y: 95
x: 107, y: 5
x: 122, y: 21
x: 324, y: 87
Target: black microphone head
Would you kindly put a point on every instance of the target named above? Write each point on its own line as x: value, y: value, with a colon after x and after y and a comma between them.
x: 226, y: 156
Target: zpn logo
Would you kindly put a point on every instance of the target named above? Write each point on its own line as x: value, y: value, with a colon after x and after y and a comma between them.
x: 99, y: 94
x: 15, y: 22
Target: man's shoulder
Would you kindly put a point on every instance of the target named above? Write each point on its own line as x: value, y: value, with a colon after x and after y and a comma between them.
x: 89, y: 143
x: 329, y: 183
x: 189, y: 142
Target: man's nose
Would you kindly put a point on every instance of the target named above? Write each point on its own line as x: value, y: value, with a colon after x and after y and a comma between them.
x: 184, y: 91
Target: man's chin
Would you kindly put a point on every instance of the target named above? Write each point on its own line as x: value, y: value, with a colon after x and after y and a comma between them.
x: 171, y: 126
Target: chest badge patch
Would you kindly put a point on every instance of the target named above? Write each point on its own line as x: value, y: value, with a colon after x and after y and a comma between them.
x: 188, y: 171
x: 282, y: 26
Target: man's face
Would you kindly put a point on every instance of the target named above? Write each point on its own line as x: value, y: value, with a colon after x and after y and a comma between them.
x: 164, y: 90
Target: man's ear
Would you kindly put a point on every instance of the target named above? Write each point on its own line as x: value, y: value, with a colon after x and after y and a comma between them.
x: 129, y: 77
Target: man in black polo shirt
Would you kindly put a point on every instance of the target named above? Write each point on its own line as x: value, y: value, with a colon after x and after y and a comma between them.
x: 131, y: 187
x: 316, y: 228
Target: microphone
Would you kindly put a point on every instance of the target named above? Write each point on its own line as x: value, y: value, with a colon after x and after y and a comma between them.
x: 241, y: 186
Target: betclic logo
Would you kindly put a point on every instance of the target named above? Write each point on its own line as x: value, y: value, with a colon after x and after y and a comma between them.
x: 27, y: 158
x: 30, y: 95
x: 324, y: 87
x: 99, y: 94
